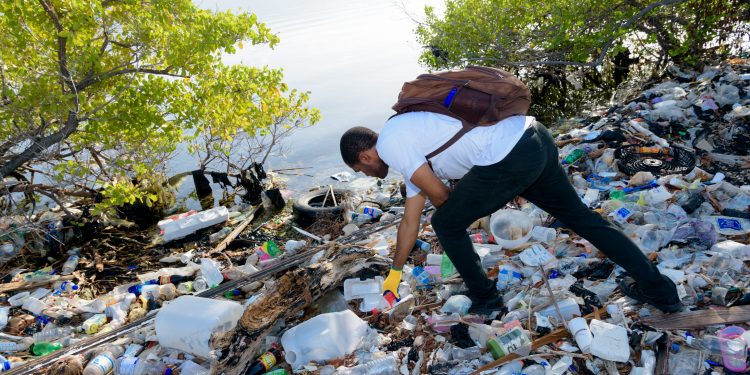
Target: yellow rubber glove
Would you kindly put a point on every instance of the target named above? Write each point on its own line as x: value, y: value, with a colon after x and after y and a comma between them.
x: 391, y: 282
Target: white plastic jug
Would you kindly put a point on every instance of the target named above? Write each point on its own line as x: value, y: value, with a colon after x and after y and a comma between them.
x: 188, y: 322
x: 324, y: 337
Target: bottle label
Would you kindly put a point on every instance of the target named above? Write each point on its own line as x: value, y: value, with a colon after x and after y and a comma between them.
x: 103, y: 362
x: 268, y: 360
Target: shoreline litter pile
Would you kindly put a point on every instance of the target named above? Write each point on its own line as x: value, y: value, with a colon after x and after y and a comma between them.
x: 670, y: 168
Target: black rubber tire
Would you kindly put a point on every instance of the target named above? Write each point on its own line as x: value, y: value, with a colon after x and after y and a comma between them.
x: 307, y: 208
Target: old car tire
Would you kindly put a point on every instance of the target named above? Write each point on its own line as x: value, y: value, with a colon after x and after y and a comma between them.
x: 308, y: 208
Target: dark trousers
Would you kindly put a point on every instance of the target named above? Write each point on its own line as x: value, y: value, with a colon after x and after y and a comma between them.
x: 532, y: 170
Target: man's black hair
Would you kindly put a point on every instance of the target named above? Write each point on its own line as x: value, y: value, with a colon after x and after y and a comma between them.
x: 356, y: 140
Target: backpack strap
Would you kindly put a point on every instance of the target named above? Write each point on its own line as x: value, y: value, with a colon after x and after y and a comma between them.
x: 438, y: 108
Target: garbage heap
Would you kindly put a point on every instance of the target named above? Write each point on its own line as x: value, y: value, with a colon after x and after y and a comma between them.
x: 669, y: 167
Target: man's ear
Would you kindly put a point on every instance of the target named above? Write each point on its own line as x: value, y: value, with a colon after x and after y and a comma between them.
x: 367, y: 156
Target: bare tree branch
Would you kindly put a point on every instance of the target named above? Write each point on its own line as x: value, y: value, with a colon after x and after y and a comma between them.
x: 113, y: 73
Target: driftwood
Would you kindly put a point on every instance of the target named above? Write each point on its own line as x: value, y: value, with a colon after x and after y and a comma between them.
x: 291, y: 294
x: 699, y: 318
x: 23, y: 285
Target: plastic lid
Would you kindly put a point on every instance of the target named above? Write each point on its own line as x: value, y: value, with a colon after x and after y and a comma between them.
x: 6, y: 365
x: 168, y: 371
x: 74, y: 287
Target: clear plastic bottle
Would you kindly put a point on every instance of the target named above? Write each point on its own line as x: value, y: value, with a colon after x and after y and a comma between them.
x: 383, y: 366
x: 218, y: 236
x: 185, y: 288
x: 211, y: 272
x: 422, y: 277
x: 446, y: 267
x: 717, y: 346
x: 70, y: 265
x: 373, y: 212
x: 51, y: 333
x: 65, y: 287
x: 139, y: 366
x: 104, y: 362
x: 10, y: 347
x: 6, y: 365
x: 200, y: 284
x: 4, y: 316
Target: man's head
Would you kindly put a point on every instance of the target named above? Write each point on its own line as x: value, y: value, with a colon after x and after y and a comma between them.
x: 359, y: 153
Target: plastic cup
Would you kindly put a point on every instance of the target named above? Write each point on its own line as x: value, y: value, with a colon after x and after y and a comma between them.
x: 580, y: 330
x: 733, y: 351
x: 544, y: 234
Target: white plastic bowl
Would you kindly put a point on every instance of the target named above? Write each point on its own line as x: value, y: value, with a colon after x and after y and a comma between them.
x: 511, y: 228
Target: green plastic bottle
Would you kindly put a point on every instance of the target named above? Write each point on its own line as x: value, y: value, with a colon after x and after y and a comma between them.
x: 43, y: 348
x: 573, y: 156
x: 616, y: 194
x: 446, y: 267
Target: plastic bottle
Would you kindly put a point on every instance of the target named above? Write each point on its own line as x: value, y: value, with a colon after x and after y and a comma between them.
x: 211, y: 272
x: 104, y: 362
x: 44, y: 348
x: 573, y: 156
x: 53, y: 333
x: 9, y: 346
x: 4, y: 316
x: 446, y: 267
x: 422, y: 245
x: 65, y: 287
x: 139, y: 366
x: 191, y: 368
x: 421, y: 276
x: 70, y: 265
x: 18, y: 299
x: 6, y: 365
x: 94, y: 323
x: 218, y: 236
x: 200, y: 284
x: 373, y: 212
x: 265, y: 362
x: 382, y: 366
x: 185, y: 288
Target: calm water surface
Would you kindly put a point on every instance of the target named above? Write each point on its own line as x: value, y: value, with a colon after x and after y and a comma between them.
x: 352, y: 55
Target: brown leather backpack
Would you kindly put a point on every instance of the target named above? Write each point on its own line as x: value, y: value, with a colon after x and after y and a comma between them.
x: 478, y: 96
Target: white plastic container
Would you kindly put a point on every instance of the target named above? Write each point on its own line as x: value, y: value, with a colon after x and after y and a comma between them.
x: 568, y: 308
x: 34, y: 306
x: 511, y: 228
x: 188, y: 322
x: 18, y: 299
x: 580, y: 330
x: 356, y: 288
x: 610, y: 341
x: 324, y: 337
x: 178, y: 228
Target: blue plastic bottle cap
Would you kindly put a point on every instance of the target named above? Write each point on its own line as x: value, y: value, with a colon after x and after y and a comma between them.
x: 74, y: 287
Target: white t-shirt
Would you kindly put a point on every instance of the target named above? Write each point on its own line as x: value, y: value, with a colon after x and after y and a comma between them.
x: 407, y: 138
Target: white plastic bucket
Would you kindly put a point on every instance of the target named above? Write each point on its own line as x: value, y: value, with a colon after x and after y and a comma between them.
x: 511, y: 228
x: 188, y: 322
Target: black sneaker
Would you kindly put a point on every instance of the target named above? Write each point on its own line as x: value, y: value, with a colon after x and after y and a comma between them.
x: 487, y: 306
x: 668, y: 304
